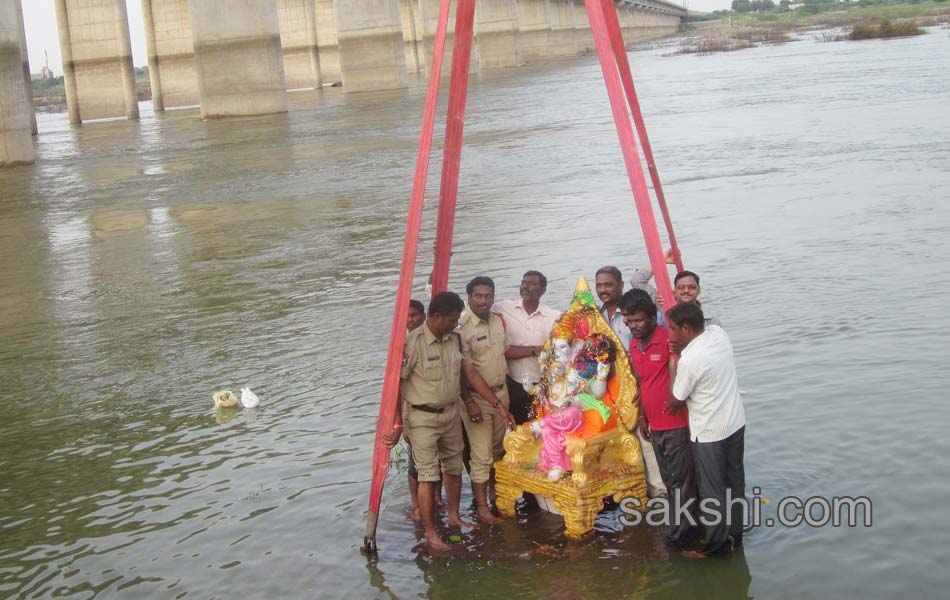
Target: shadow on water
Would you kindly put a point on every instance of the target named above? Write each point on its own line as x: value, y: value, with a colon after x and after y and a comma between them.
x: 530, y: 558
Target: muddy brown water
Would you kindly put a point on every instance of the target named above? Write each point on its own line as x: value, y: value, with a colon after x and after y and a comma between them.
x: 145, y: 265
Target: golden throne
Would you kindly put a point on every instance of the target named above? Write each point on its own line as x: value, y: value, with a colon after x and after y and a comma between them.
x: 606, y: 460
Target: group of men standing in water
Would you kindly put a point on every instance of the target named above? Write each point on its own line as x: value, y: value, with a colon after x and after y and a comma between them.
x: 691, y: 422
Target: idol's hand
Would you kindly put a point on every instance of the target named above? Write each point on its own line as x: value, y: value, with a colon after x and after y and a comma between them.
x: 527, y: 384
x: 536, y: 428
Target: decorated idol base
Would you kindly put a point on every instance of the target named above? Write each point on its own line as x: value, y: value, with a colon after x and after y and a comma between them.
x: 578, y: 448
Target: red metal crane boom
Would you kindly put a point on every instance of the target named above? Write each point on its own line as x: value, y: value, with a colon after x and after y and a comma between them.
x: 624, y: 104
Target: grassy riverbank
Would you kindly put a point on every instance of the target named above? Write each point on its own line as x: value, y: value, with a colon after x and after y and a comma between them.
x: 927, y: 13
x: 725, y: 31
x: 884, y: 29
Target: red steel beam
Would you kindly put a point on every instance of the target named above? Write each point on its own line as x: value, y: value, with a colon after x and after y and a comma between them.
x: 397, y: 340
x: 628, y: 145
x: 620, y: 51
x: 452, y: 155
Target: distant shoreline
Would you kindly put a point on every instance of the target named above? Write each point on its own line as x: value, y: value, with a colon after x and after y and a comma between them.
x: 726, y: 31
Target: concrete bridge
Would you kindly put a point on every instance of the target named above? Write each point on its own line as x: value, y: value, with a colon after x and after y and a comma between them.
x: 239, y: 57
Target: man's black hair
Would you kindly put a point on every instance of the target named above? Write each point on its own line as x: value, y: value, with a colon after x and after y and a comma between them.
x: 480, y: 280
x: 610, y: 270
x: 632, y: 293
x: 683, y: 274
x: 539, y: 275
x: 418, y: 306
x: 634, y: 303
x: 687, y: 314
x: 446, y: 303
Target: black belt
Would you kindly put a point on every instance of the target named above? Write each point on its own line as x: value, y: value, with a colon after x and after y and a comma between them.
x: 428, y: 409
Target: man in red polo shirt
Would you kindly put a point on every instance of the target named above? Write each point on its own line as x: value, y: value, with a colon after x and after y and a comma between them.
x: 669, y: 433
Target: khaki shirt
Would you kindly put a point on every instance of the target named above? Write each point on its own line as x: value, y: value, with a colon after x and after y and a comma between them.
x: 484, y: 346
x: 431, y: 368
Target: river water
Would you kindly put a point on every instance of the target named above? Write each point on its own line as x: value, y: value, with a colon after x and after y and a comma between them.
x: 145, y: 265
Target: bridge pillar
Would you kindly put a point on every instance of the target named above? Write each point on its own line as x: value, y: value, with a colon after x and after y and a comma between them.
x: 648, y: 22
x: 298, y: 39
x: 624, y: 13
x: 25, y: 55
x: 496, y: 33
x: 562, y: 29
x: 171, y: 58
x: 16, y: 140
x: 97, y: 59
x: 410, y: 35
x: 641, y: 29
x: 534, y: 28
x: 372, y: 50
x: 427, y: 19
x: 671, y: 23
x: 238, y: 57
x: 327, y: 41
x: 583, y: 38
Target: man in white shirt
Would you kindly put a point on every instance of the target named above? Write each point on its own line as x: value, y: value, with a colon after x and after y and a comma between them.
x: 528, y: 324
x: 707, y: 384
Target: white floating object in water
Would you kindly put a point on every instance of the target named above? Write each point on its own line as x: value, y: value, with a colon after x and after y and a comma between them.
x: 249, y: 399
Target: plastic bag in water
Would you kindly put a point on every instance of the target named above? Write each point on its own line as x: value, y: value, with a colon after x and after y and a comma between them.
x: 249, y: 399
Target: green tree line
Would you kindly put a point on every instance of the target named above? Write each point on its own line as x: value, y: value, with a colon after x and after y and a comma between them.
x: 811, y: 6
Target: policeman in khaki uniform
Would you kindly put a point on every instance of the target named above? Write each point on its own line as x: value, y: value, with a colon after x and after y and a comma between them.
x: 485, y: 398
x: 429, y: 408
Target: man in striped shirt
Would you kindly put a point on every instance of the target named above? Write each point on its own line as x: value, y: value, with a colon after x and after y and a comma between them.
x: 686, y: 290
x: 707, y: 384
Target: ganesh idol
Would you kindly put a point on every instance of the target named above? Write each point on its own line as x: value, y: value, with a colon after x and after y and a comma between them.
x: 576, y: 394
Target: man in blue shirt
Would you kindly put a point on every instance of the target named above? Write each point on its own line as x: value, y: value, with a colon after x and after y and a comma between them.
x: 609, y: 286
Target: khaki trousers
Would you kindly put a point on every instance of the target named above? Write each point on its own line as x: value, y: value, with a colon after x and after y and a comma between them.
x: 485, y: 439
x: 436, y: 441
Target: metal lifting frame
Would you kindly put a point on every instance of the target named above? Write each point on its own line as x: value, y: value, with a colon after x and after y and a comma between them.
x: 608, y: 39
